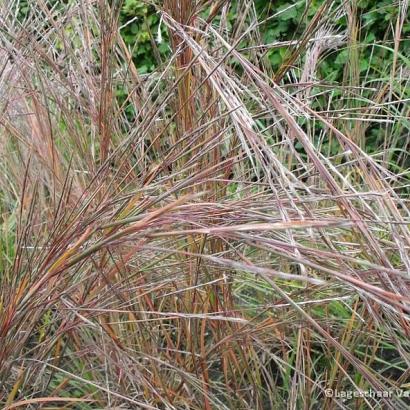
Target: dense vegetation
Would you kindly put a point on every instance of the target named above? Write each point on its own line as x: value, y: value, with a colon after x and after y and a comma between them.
x: 204, y: 204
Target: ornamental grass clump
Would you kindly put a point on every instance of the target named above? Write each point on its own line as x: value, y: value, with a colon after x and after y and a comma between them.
x: 215, y: 233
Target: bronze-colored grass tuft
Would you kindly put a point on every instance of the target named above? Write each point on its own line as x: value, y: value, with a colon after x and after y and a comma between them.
x: 211, y: 235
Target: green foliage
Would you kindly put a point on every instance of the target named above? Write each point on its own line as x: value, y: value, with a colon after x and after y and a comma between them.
x: 140, y: 25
